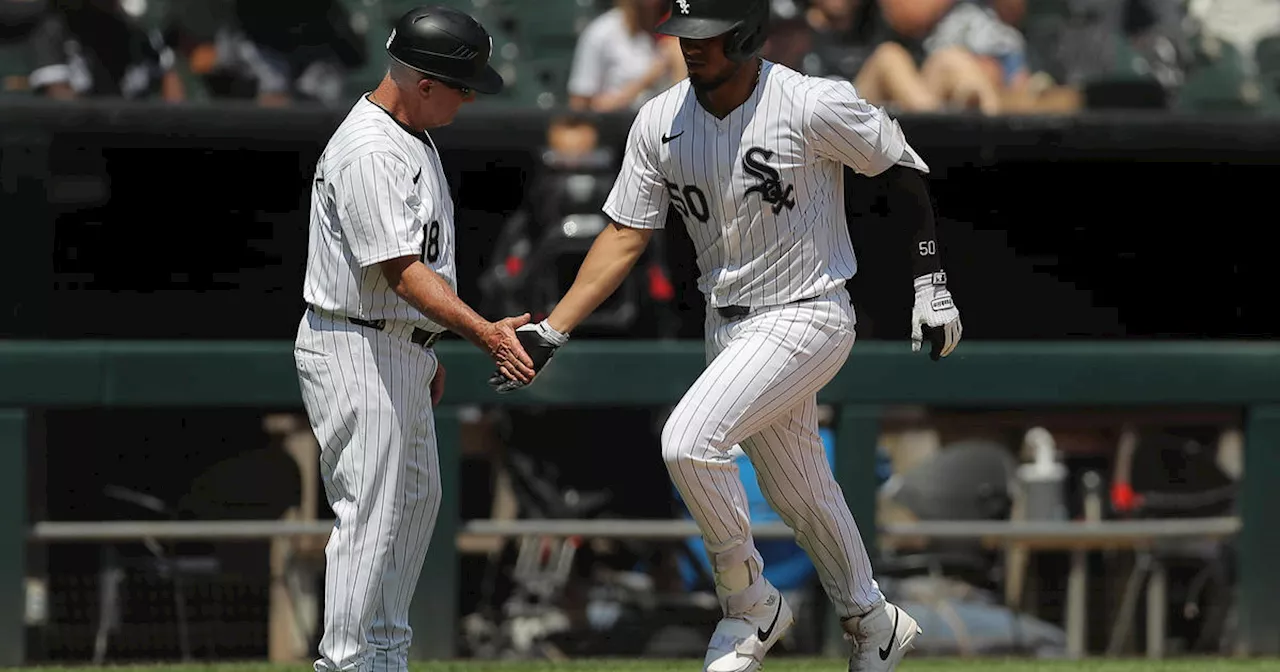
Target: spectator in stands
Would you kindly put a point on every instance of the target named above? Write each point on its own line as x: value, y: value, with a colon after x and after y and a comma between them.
x: 94, y: 48
x: 1241, y: 23
x: 571, y: 138
x: 973, y: 55
x: 856, y: 40
x: 838, y: 39
x: 953, y: 72
x: 620, y: 63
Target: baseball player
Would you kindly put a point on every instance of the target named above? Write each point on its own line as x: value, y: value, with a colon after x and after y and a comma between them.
x: 380, y: 287
x: 750, y: 155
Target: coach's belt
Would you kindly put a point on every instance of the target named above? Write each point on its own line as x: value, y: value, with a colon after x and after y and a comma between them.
x: 734, y: 312
x: 419, y: 336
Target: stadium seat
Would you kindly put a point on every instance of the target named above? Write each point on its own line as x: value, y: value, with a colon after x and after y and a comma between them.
x: 1127, y: 86
x: 158, y: 560
x: 1219, y: 80
x: 1266, y: 54
x: 542, y: 82
x: 548, y: 29
x: 15, y: 66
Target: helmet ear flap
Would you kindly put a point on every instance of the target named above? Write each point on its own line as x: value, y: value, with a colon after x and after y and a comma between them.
x: 733, y: 45
x: 745, y: 43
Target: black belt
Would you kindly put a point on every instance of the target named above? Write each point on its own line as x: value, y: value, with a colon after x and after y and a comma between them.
x: 734, y: 312
x: 419, y: 336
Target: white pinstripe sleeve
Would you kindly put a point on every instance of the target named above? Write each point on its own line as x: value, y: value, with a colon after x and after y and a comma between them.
x: 373, y: 198
x: 844, y: 127
x: 639, y: 198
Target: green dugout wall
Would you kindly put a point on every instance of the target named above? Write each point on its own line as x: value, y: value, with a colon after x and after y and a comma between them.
x: 1244, y: 376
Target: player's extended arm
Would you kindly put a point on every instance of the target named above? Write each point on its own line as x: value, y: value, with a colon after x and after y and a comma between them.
x: 934, y: 314
x: 432, y: 296
x: 611, y: 257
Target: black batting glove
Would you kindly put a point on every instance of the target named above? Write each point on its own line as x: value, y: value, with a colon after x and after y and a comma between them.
x: 540, y: 341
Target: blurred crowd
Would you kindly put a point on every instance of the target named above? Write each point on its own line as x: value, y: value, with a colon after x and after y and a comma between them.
x: 988, y: 56
x: 272, y: 51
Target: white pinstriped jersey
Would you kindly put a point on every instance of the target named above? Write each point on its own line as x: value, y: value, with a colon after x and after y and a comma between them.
x: 761, y: 191
x: 379, y: 193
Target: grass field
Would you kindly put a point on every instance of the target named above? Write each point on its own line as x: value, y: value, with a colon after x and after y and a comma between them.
x: 776, y: 665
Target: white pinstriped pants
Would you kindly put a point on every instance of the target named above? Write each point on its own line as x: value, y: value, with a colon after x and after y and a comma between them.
x: 367, y: 395
x: 759, y: 391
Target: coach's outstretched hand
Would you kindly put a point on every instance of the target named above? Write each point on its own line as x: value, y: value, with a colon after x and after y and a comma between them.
x: 541, y: 342
x: 934, y: 316
x: 500, y: 341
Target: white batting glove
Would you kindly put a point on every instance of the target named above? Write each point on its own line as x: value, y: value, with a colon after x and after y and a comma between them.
x: 934, y: 315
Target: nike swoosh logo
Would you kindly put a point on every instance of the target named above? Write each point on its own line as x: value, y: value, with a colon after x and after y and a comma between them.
x: 893, y: 637
x: 415, y: 177
x: 764, y: 634
x: 666, y: 138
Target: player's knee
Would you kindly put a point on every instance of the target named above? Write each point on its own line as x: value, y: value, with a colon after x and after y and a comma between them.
x: 679, y: 440
x: 687, y: 439
x: 670, y: 444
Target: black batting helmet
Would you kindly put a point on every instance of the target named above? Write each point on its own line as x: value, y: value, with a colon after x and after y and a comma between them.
x: 743, y: 22
x: 447, y: 45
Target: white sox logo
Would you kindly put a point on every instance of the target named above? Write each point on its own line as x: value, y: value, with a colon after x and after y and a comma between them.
x: 770, y: 188
x: 684, y: 6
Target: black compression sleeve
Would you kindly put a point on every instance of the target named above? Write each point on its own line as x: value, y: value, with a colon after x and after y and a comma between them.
x: 909, y: 205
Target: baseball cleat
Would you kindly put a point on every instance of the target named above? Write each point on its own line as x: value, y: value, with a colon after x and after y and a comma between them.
x: 739, y: 643
x: 881, y: 637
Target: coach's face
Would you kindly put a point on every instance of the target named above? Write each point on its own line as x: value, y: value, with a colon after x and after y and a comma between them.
x: 440, y: 102
x: 707, y: 64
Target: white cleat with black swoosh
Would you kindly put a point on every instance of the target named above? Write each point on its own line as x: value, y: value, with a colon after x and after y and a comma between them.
x: 740, y: 643
x: 881, y: 637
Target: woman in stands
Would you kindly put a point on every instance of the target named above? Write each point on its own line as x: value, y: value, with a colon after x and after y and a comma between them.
x: 620, y: 62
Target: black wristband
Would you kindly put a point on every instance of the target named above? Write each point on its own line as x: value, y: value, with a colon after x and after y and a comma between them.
x: 909, y: 205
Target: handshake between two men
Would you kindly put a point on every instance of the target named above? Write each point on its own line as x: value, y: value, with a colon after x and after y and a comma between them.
x: 540, y: 341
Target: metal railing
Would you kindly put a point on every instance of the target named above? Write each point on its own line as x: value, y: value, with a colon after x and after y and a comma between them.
x: 1135, y: 535
x: 1065, y: 533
